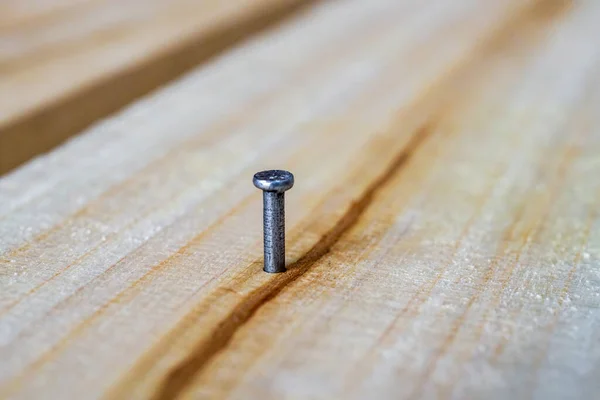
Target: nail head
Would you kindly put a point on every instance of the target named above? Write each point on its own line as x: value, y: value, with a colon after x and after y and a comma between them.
x: 275, y: 180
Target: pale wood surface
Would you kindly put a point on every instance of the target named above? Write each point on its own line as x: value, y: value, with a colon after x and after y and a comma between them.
x: 66, y: 63
x: 443, y: 233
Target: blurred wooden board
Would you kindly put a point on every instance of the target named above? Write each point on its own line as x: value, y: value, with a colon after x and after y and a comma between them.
x: 443, y: 235
x: 66, y: 63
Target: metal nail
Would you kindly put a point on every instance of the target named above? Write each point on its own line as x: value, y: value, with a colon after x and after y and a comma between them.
x: 274, y: 183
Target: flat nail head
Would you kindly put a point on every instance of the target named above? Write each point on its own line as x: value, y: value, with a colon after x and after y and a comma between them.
x: 273, y: 180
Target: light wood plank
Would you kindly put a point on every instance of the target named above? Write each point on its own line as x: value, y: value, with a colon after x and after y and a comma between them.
x: 442, y: 233
x: 473, y: 272
x: 65, y: 64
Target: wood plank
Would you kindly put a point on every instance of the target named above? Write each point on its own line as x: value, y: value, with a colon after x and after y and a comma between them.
x: 471, y: 274
x: 442, y: 233
x: 65, y: 64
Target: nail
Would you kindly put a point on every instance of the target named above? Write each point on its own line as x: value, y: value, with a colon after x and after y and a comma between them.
x: 274, y: 183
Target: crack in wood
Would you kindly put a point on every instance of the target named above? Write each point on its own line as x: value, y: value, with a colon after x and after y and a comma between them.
x: 179, y: 378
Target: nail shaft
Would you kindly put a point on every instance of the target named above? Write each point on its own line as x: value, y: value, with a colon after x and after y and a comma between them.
x: 274, y: 231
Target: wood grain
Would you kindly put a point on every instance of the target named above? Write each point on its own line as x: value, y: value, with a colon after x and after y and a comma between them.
x: 443, y: 232
x: 65, y: 64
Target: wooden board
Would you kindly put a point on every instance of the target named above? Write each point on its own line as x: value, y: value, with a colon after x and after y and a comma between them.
x: 443, y: 236
x: 66, y: 63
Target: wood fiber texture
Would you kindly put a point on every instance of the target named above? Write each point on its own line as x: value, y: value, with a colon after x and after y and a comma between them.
x: 66, y: 63
x: 443, y: 236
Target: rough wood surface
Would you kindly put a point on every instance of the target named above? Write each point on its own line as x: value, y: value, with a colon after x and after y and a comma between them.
x: 443, y: 232
x: 66, y: 63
